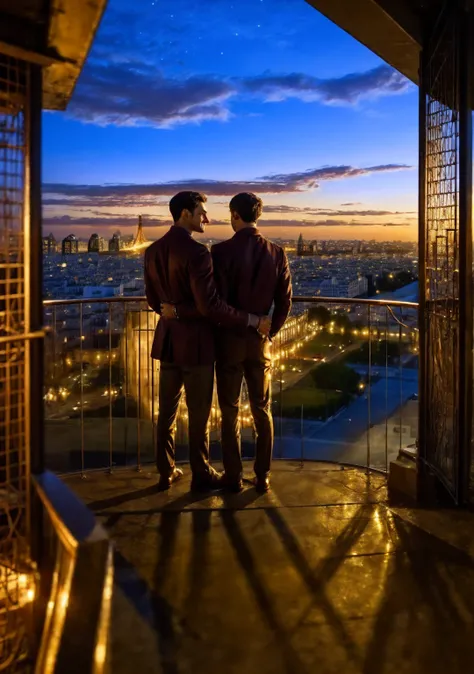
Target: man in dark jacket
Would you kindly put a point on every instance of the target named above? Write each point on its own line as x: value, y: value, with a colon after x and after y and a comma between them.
x: 251, y: 274
x: 179, y: 270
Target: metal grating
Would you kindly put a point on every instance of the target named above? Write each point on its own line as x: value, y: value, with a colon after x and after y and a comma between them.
x: 442, y: 238
x: 15, y: 581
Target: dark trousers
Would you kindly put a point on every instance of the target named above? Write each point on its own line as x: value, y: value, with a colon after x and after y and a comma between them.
x: 249, y: 358
x: 198, y: 383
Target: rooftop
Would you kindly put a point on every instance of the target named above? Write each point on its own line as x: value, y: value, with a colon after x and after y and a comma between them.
x: 321, y: 574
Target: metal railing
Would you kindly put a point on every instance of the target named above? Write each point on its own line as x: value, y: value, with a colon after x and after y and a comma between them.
x: 76, y: 585
x: 345, y: 382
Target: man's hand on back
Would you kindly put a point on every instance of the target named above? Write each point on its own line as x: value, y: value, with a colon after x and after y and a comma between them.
x: 264, y: 325
x: 168, y: 311
x: 261, y: 324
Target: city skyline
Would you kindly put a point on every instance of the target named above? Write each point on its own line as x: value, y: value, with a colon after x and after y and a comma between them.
x: 135, y: 244
x: 271, y: 98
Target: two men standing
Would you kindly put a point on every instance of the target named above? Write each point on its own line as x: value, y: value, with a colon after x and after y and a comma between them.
x: 215, y: 309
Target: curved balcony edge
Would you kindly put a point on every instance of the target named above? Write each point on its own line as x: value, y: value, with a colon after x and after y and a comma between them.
x: 296, y: 299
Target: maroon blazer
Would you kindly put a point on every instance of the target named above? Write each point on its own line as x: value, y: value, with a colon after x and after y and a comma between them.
x: 252, y: 274
x: 179, y: 270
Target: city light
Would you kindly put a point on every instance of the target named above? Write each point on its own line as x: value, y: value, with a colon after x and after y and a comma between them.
x: 292, y: 353
x: 16, y: 589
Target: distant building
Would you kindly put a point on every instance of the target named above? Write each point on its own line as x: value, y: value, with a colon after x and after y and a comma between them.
x: 363, y: 285
x: 371, y: 289
x: 70, y: 245
x: 303, y: 248
x: 127, y: 240
x: 300, y: 245
x: 139, y: 239
x: 115, y: 243
x: 96, y: 244
x: 50, y: 245
x: 335, y: 287
x: 132, y: 287
x: 90, y: 292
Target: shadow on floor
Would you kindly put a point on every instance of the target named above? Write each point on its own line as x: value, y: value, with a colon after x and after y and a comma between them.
x: 317, y: 579
x: 348, y: 587
x: 432, y: 586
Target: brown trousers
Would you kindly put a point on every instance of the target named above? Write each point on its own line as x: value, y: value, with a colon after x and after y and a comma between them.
x: 198, y: 383
x: 238, y: 357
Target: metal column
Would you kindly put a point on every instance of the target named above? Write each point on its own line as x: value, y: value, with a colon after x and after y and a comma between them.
x: 446, y: 252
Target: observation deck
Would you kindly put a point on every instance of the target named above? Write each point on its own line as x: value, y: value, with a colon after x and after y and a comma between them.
x: 320, y: 574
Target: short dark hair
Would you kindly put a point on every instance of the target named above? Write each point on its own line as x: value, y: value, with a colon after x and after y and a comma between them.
x: 247, y: 205
x: 187, y: 200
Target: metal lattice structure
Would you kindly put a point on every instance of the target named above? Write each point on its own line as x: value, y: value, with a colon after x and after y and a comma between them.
x: 442, y: 247
x: 445, y: 242
x: 15, y: 588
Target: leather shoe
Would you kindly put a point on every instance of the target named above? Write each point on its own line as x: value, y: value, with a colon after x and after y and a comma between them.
x: 234, y: 486
x: 262, y: 484
x: 165, y: 483
x: 210, y: 482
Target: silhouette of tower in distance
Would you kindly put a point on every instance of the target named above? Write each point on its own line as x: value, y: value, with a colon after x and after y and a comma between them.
x: 300, y: 245
x: 139, y: 236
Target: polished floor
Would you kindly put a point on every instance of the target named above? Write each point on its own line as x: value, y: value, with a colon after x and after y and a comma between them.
x: 320, y: 575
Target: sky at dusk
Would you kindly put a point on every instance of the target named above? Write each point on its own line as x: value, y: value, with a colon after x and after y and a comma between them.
x: 226, y: 96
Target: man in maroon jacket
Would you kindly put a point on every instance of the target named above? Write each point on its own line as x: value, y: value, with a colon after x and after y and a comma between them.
x: 251, y: 274
x: 178, y: 270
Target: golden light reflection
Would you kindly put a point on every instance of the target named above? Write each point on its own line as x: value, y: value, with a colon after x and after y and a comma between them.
x: 55, y: 615
x: 143, y: 379
x: 139, y: 246
x: 100, y: 653
x: 64, y: 598
x: 16, y: 590
x: 378, y: 520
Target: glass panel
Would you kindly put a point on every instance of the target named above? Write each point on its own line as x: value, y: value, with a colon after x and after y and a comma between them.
x: 344, y: 386
x: 346, y: 389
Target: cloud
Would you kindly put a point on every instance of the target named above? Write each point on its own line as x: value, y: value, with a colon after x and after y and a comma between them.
x: 103, y: 221
x: 135, y: 93
x: 309, y: 179
x: 350, y: 89
x: 133, y: 194
x: 69, y: 224
x: 352, y: 203
x: 303, y: 224
x: 330, y: 211
x: 111, y: 201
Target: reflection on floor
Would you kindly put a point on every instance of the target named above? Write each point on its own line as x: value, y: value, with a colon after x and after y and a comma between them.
x: 320, y: 575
